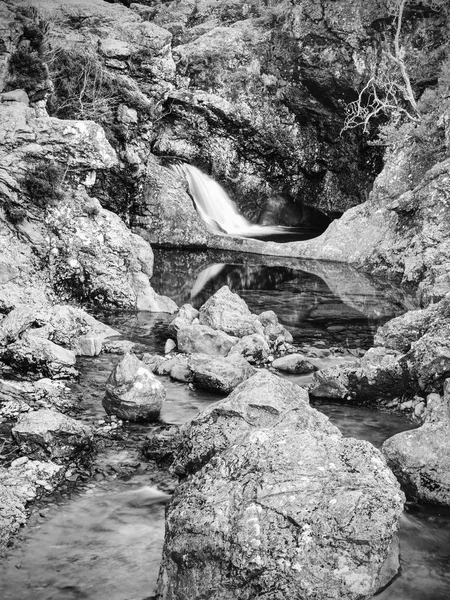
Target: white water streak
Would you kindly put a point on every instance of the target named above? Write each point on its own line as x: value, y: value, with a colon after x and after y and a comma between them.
x: 217, y: 209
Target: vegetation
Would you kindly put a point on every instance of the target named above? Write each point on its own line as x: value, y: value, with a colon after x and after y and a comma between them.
x: 388, y: 97
x: 43, y: 184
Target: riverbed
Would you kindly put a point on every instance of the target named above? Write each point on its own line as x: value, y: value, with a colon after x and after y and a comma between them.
x: 103, y: 540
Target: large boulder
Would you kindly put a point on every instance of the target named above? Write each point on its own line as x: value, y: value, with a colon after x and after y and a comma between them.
x: 47, y: 433
x: 229, y: 312
x: 132, y: 391
x: 262, y: 400
x: 204, y: 339
x: 283, y: 514
x: 219, y: 374
x: 420, y: 458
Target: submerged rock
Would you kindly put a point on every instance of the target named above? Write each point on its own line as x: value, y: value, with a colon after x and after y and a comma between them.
x: 283, y: 514
x: 219, y: 374
x: 47, y: 433
x: 262, y: 400
x: 420, y: 458
x: 132, y: 391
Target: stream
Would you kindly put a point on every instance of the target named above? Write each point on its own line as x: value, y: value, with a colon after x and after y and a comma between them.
x: 103, y: 540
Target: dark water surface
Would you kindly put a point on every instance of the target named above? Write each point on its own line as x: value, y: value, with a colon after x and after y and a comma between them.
x: 105, y: 542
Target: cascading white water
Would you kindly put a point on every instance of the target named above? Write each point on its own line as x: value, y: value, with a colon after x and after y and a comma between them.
x: 217, y: 209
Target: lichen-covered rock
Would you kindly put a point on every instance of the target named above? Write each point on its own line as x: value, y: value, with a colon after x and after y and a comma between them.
x: 294, y: 363
x: 420, y: 458
x: 132, y: 391
x: 47, y: 433
x: 24, y: 481
x: 262, y: 400
x: 204, y: 339
x: 34, y: 354
x: 283, y: 513
x: 228, y: 312
x: 218, y: 373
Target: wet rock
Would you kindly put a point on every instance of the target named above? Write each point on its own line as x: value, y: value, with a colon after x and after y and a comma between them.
x: 283, y: 513
x: 185, y: 316
x: 419, y: 458
x: 229, y: 313
x: 263, y: 400
x: 253, y: 348
x: 294, y: 363
x: 166, y: 366
x: 204, y: 339
x: 181, y: 372
x: 379, y: 375
x: 274, y: 332
x: 161, y: 444
x: 47, y: 433
x: 132, y: 391
x: 24, y: 481
x: 219, y: 374
x: 35, y: 354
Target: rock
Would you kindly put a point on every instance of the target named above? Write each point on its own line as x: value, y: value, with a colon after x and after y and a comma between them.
x: 294, y: 363
x: 182, y: 373
x: 64, y: 325
x: 38, y: 355
x: 379, y: 374
x: 166, y: 366
x: 419, y: 458
x: 283, y: 513
x: 263, y: 400
x: 204, y: 339
x: 273, y: 330
x: 46, y: 433
x: 161, y: 443
x: 169, y: 346
x: 132, y: 391
x: 23, y: 482
x: 184, y: 318
x: 219, y: 374
x: 19, y: 396
x: 229, y: 313
x: 253, y: 348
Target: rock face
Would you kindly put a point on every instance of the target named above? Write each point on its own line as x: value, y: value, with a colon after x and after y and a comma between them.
x: 420, y: 458
x: 270, y: 516
x: 46, y: 433
x: 132, y: 391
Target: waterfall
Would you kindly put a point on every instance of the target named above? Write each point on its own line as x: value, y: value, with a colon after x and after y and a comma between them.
x: 217, y: 209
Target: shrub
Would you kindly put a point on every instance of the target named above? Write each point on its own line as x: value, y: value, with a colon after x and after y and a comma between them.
x: 26, y: 70
x: 43, y: 184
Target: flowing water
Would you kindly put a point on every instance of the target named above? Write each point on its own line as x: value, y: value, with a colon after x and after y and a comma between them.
x: 104, y: 542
